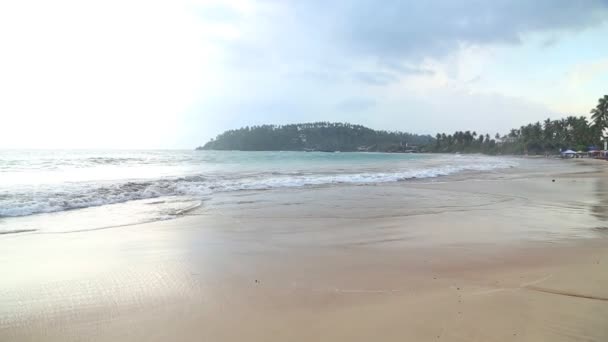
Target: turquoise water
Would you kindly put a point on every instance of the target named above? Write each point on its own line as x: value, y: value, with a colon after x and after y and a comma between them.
x: 150, y: 185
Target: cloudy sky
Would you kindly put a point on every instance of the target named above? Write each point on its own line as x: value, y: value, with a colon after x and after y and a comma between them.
x: 172, y: 74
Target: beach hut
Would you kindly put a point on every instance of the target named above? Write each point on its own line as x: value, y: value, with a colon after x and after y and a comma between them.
x: 568, y: 154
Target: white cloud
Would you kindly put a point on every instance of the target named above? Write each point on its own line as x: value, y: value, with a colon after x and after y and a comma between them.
x: 78, y: 73
x: 138, y: 73
x: 583, y: 73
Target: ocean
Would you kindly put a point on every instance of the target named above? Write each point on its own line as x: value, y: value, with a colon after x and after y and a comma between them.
x: 44, y: 191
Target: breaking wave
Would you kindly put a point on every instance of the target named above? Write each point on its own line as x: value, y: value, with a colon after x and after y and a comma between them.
x: 48, y: 198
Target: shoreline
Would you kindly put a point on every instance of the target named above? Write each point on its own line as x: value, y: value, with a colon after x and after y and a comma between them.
x: 508, y: 256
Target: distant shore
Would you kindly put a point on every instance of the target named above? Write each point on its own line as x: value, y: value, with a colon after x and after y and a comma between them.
x: 551, y: 155
x: 515, y: 255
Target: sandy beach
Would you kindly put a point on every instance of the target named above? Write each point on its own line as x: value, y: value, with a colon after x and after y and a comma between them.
x: 504, y: 256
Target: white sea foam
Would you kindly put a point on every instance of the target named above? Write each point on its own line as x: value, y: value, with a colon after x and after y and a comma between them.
x: 44, y: 198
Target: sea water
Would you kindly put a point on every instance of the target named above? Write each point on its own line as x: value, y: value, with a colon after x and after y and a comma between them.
x: 73, y: 190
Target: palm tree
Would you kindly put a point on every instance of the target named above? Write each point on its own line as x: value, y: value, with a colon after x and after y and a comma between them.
x: 467, y: 137
x: 599, y: 114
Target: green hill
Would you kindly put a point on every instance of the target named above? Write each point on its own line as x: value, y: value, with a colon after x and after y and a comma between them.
x: 317, y: 136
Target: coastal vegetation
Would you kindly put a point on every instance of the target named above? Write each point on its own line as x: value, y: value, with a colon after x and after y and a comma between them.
x: 547, y: 137
x: 535, y: 138
x: 316, y: 136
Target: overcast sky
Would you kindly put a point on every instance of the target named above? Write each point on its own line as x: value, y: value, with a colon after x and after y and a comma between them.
x: 172, y: 74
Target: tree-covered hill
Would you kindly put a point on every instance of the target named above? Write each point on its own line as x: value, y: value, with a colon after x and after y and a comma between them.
x: 317, y: 136
x: 548, y: 137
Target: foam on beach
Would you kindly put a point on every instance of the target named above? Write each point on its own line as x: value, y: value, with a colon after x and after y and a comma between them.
x: 32, y: 199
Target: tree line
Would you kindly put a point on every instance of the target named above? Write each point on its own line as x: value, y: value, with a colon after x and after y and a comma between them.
x: 315, y: 136
x: 538, y: 138
x: 549, y: 136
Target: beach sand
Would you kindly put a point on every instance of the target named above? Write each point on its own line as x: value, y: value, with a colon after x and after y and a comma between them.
x: 506, y: 256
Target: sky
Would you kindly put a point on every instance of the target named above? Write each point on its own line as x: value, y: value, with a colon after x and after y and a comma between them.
x: 175, y: 73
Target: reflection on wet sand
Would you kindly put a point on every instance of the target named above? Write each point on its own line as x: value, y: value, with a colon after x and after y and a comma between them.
x: 600, y: 209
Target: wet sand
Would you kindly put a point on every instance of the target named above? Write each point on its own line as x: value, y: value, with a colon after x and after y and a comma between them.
x: 509, y: 256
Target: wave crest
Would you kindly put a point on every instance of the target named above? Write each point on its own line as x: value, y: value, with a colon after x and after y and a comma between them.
x: 53, y: 198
